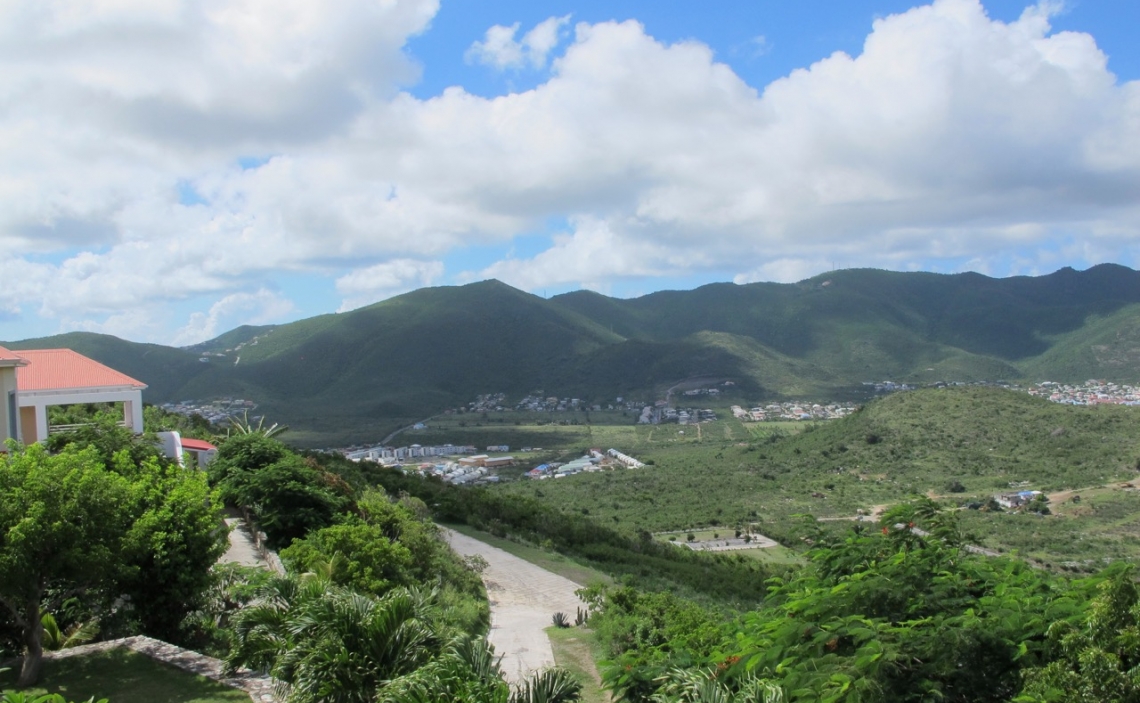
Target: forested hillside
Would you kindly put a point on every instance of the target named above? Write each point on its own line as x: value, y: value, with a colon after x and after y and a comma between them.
x: 361, y: 373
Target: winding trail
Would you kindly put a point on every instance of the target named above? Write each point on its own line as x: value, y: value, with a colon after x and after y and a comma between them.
x: 523, y: 598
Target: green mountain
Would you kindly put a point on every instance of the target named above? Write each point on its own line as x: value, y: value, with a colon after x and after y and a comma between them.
x: 233, y: 341
x: 165, y: 370
x: 361, y: 373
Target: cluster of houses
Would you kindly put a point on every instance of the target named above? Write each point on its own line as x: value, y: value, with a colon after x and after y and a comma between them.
x: 33, y: 380
x: 888, y: 386
x: 595, y: 460
x: 469, y: 469
x: 1089, y: 393
x: 216, y: 411
x: 793, y: 411
x: 538, y: 403
x: 661, y: 413
x: 466, y: 469
x: 397, y: 455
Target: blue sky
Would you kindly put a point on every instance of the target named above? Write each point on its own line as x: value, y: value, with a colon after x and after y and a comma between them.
x: 170, y: 169
x: 794, y: 34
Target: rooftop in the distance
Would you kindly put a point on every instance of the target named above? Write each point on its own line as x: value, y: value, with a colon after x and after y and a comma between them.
x: 61, y: 369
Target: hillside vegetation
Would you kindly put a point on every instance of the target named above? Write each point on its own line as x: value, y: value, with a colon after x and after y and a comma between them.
x: 961, y: 445
x: 358, y: 375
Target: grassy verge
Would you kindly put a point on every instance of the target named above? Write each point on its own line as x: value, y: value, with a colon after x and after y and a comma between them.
x: 124, y: 676
x: 551, y: 561
x: 576, y: 650
x: 773, y: 555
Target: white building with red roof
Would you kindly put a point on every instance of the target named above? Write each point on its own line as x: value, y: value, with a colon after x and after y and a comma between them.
x: 46, y: 377
x: 185, y: 450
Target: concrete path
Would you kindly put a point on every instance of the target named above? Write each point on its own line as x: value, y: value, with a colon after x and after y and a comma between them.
x: 523, y: 598
x: 242, y: 549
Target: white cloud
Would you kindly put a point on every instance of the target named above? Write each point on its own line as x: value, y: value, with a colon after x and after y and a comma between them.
x: 784, y: 271
x: 591, y: 256
x: 384, y: 280
x: 234, y: 310
x: 950, y: 138
x: 500, y: 50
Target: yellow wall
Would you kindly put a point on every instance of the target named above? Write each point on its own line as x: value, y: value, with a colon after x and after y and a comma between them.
x: 7, y: 385
x: 28, y: 424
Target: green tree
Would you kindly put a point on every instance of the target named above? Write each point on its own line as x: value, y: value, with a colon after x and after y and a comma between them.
x: 61, y: 526
x: 390, y: 544
x: 73, y: 525
x: 372, y: 562
x: 1096, y: 659
x: 290, y: 495
x: 103, y: 432
x: 168, y: 551
x: 902, y: 613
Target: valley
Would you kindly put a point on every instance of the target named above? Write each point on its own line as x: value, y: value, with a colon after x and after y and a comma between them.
x: 959, y: 445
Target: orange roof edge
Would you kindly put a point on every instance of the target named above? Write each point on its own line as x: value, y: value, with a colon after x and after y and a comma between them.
x: 63, y: 369
x: 10, y: 358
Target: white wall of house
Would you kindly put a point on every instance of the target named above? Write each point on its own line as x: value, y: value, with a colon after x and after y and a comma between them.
x: 9, y: 406
x: 39, y: 401
x: 171, y: 445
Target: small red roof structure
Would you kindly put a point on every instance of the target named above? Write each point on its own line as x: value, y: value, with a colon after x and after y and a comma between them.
x: 64, y: 369
x: 196, y: 445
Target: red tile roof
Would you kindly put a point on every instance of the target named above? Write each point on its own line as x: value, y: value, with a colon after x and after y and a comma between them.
x: 58, y: 369
x: 196, y: 445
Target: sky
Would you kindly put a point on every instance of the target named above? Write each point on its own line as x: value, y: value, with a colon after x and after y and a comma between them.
x: 171, y: 169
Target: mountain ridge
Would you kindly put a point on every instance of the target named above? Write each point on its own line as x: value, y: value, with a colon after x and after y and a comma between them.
x: 415, y: 354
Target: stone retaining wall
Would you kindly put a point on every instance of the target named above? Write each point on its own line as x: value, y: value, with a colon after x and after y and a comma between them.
x: 259, y: 687
x: 259, y: 541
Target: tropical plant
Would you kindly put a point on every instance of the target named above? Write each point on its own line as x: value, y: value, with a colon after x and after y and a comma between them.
x: 326, y: 643
x: 703, y: 686
x: 560, y: 620
x: 79, y: 633
x: 468, y: 672
x: 244, y: 426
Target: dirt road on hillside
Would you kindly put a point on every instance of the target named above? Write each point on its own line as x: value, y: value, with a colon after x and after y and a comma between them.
x: 523, y: 598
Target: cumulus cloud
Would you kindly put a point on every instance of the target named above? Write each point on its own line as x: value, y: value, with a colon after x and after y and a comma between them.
x: 591, y: 256
x: 384, y: 280
x: 950, y: 138
x: 784, y: 271
x: 258, y: 308
x: 499, y: 48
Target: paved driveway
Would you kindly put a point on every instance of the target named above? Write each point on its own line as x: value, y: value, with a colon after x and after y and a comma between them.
x: 523, y: 599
